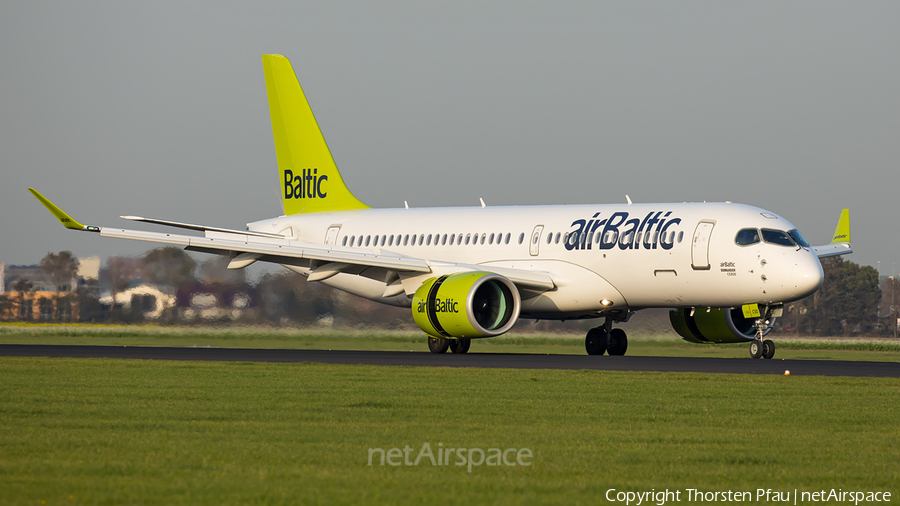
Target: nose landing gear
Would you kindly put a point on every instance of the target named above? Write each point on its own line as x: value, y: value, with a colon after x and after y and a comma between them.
x: 760, y: 348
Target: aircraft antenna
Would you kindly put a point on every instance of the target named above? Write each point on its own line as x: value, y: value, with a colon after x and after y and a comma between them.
x: 628, y: 199
x: 483, y: 205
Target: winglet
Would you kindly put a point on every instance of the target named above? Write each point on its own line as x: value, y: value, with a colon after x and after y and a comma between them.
x: 842, y: 232
x: 61, y: 215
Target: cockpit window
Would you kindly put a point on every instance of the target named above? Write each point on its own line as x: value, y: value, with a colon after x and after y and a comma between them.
x: 777, y: 237
x: 798, y: 237
x: 746, y: 237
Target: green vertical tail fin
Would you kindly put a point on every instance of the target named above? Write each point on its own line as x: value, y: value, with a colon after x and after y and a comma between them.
x: 309, y: 179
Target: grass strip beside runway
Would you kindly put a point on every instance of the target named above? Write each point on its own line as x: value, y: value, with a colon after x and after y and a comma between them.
x: 662, y: 345
x: 147, y: 432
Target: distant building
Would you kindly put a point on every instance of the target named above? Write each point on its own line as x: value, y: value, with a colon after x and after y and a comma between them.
x: 89, y: 268
x: 39, y: 280
x: 40, y: 306
x: 148, y: 298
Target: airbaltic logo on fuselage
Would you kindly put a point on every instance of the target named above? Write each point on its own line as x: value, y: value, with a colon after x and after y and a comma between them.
x: 648, y: 233
x: 309, y: 185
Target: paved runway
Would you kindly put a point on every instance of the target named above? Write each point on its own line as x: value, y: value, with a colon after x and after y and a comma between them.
x: 484, y: 360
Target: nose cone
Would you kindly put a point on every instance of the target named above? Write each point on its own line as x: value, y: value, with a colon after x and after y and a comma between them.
x: 807, y: 276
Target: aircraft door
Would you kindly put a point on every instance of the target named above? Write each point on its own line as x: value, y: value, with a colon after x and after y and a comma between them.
x: 535, y: 244
x: 700, y: 245
x: 331, y: 234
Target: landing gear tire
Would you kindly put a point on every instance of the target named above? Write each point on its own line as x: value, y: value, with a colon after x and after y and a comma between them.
x: 618, y: 342
x: 768, y: 349
x: 756, y: 348
x: 596, y: 341
x: 436, y: 345
x: 459, y: 345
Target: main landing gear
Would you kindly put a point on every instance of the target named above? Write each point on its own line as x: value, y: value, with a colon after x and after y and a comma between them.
x: 436, y: 345
x: 758, y: 346
x: 605, y: 339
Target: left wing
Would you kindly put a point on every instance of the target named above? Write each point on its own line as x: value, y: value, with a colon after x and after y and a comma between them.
x: 246, y: 247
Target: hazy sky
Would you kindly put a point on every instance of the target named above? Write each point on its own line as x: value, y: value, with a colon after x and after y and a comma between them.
x: 159, y: 109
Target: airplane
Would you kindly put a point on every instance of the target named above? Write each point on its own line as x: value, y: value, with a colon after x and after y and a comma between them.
x: 725, y: 270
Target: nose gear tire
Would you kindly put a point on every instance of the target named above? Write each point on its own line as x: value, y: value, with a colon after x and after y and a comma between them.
x: 768, y: 349
x: 756, y: 348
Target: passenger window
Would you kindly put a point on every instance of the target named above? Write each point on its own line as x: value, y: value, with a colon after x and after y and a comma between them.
x: 406, y: 239
x: 483, y: 235
x: 383, y: 239
x: 680, y: 236
x: 549, y: 238
x: 444, y: 240
x: 428, y: 241
x: 556, y: 241
x: 368, y: 237
x: 467, y: 238
x: 491, y: 241
x: 391, y: 240
x: 345, y: 241
x: 421, y: 239
x: 777, y: 237
x: 521, y: 237
x: 746, y: 237
x: 452, y: 239
x: 459, y: 239
x: 508, y: 235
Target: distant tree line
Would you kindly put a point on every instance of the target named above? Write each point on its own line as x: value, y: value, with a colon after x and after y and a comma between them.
x: 849, y: 303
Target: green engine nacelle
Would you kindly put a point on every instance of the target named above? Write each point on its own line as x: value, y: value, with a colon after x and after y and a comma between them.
x: 717, y: 325
x: 466, y: 305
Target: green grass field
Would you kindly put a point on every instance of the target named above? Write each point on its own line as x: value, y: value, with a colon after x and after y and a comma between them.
x: 97, y: 431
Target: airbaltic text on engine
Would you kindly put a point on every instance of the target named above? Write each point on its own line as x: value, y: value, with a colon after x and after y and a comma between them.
x: 441, y: 306
x: 636, y: 233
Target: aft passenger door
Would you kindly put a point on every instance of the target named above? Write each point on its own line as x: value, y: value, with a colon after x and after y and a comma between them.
x: 535, y: 244
x: 700, y: 245
x: 331, y: 234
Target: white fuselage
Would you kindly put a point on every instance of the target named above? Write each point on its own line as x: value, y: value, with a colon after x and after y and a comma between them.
x: 628, y: 256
